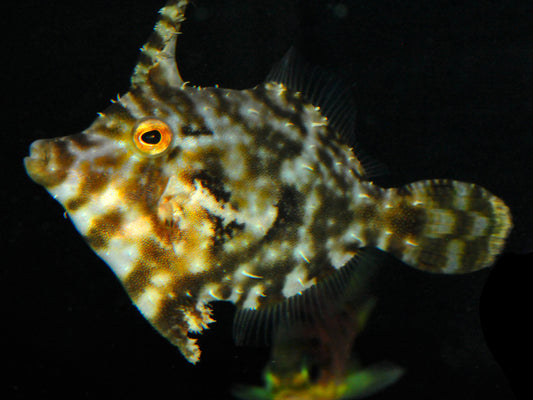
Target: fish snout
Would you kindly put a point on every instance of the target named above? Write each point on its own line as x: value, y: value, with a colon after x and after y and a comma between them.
x: 48, y: 162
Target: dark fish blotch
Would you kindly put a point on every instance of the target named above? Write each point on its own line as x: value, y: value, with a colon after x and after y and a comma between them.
x: 294, y: 116
x: 225, y: 291
x: 103, y: 228
x: 290, y: 206
x: 290, y: 213
x: 82, y: 141
x: 234, y: 226
x: 219, y: 238
x: 188, y: 130
x: 431, y: 257
x: 407, y: 221
x: 214, y: 184
x: 224, y: 232
x: 138, y: 279
x: 173, y: 153
x: 463, y: 223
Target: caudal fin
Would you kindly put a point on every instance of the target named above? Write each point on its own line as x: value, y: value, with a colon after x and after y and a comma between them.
x: 445, y: 226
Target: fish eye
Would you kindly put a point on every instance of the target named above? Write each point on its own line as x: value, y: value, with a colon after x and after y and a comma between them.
x: 152, y: 136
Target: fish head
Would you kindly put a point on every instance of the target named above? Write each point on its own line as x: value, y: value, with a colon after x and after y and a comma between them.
x: 124, y: 184
x: 116, y: 166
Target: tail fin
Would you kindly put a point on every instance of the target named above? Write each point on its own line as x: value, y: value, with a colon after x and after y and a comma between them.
x: 445, y: 226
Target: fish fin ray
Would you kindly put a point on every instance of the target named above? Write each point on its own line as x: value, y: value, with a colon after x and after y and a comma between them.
x: 334, y: 98
x: 370, y: 167
x: 321, y: 89
x: 350, y: 283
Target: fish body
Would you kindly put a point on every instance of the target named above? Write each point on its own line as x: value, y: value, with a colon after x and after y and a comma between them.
x: 254, y: 196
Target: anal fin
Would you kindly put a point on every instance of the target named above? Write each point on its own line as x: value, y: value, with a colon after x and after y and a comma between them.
x: 351, y: 285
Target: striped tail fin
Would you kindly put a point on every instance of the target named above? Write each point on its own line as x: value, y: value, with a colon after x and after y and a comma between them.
x: 445, y: 226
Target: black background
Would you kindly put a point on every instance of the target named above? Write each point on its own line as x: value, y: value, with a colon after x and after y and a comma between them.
x: 443, y: 90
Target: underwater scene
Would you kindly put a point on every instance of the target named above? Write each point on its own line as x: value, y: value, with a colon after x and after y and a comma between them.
x: 269, y: 200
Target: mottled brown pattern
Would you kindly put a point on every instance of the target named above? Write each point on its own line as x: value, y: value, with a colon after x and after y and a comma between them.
x: 138, y: 279
x: 213, y: 180
x: 292, y: 112
x: 113, y: 122
x: 82, y: 142
x: 367, y: 213
x: 103, y: 228
x: 94, y: 179
x: 253, y: 198
x: 145, y: 186
x: 190, y: 131
x: 404, y: 220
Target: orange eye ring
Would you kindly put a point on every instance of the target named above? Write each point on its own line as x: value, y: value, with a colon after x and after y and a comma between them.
x: 152, y: 136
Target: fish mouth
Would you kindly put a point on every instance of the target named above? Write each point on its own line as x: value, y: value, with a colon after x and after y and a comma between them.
x: 36, y: 163
x: 48, y: 162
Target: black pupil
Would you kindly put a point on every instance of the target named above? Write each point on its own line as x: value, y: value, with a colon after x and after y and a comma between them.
x: 151, y: 137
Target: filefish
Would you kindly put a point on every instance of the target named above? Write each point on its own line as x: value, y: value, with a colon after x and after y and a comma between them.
x: 197, y: 194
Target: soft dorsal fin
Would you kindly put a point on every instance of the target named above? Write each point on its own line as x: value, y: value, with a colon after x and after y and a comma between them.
x: 320, y: 88
x: 157, y: 63
x: 333, y: 96
x: 371, y: 168
x: 350, y: 284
